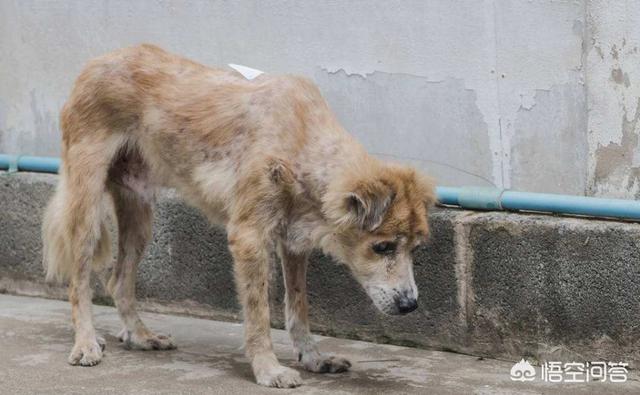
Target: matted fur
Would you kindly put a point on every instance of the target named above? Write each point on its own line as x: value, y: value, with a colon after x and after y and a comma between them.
x: 266, y: 158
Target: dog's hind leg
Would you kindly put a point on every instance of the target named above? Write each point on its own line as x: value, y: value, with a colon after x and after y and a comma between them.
x: 134, y: 216
x: 294, y: 268
x: 85, y: 207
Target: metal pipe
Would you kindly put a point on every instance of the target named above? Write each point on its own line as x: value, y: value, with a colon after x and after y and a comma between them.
x: 474, y: 198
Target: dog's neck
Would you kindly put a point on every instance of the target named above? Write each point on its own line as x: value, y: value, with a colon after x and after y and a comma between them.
x: 322, y: 162
x: 329, y: 160
x: 334, y: 160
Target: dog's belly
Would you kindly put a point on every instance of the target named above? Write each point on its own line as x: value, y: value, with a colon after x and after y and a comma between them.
x: 212, y: 190
x: 209, y: 188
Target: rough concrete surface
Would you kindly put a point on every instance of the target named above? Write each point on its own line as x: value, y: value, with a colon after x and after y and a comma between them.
x: 491, y: 284
x: 36, y: 335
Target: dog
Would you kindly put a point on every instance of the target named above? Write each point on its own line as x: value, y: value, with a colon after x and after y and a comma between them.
x: 264, y: 157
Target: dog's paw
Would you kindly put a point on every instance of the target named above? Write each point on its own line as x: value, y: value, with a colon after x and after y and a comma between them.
x: 145, y: 341
x: 280, y: 377
x: 87, y: 353
x: 270, y: 373
x: 320, y: 363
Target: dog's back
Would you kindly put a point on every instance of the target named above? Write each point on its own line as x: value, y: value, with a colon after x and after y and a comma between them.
x: 141, y: 117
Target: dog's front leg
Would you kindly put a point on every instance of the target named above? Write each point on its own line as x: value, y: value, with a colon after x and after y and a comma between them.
x: 294, y: 267
x: 250, y: 252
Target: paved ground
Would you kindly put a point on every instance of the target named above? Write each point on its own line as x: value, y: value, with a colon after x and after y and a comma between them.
x: 35, y: 338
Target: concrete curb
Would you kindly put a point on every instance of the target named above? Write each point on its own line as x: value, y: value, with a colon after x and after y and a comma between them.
x: 492, y: 284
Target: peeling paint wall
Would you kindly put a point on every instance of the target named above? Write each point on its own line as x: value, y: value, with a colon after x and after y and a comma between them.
x: 613, y: 76
x: 530, y: 94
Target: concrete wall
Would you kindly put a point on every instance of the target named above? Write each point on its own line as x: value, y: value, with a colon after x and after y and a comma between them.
x: 536, y: 95
x: 491, y: 283
x: 613, y: 80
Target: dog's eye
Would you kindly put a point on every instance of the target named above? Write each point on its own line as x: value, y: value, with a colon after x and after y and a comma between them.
x: 384, y: 248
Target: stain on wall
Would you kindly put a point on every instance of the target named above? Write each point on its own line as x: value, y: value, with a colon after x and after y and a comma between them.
x: 619, y: 162
x: 620, y: 77
x: 613, y: 64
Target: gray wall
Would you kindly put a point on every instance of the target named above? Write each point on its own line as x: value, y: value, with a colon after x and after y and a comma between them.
x: 533, y: 95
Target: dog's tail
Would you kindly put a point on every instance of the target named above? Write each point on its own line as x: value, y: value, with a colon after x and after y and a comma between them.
x: 58, y: 253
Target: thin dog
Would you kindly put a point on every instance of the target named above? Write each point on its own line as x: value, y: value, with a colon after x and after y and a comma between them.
x: 265, y: 157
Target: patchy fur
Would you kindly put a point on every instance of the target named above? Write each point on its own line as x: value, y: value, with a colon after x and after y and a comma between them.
x: 266, y: 158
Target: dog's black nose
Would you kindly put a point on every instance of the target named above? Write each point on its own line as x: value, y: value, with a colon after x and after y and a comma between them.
x: 407, y: 305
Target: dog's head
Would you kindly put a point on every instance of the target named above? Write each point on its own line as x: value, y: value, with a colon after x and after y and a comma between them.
x: 378, y: 215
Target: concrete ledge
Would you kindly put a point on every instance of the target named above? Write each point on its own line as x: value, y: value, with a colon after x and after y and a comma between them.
x: 492, y: 284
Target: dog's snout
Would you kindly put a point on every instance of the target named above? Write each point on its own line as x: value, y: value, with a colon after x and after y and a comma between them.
x: 394, y: 301
x: 406, y: 304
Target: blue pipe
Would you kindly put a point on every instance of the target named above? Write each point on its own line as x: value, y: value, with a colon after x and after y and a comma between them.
x: 481, y: 198
x: 567, y: 204
x: 448, y: 195
x: 474, y: 198
x: 29, y: 163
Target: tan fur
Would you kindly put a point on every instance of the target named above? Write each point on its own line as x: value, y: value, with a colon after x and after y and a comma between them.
x: 266, y: 158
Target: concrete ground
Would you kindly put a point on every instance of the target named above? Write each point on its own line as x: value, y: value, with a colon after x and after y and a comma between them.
x: 36, y: 336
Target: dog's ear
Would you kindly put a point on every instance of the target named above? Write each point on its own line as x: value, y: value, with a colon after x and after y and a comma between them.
x: 427, y: 189
x: 368, y: 203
